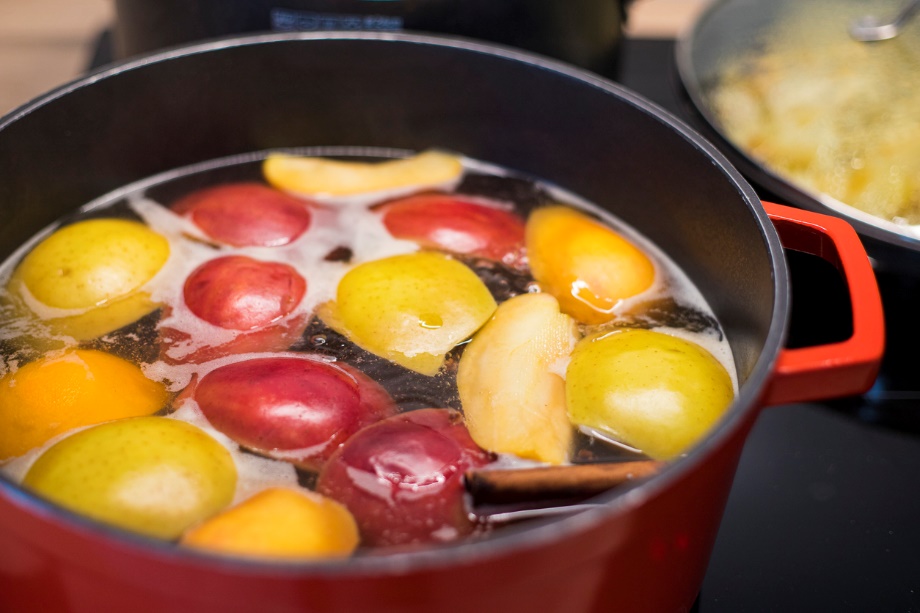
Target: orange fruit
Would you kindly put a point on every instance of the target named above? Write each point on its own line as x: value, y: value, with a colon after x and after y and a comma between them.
x: 279, y: 523
x: 587, y: 266
x: 61, y: 392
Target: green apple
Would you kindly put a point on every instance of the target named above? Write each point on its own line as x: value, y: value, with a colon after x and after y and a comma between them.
x: 410, y: 309
x: 650, y: 390
x: 512, y: 400
x: 152, y: 475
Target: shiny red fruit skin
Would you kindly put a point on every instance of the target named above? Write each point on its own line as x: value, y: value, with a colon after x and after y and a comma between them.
x: 240, y: 293
x: 457, y: 224
x: 295, y: 408
x: 246, y: 214
x: 402, y: 478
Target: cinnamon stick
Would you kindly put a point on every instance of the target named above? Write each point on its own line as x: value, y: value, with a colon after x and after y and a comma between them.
x: 580, y: 481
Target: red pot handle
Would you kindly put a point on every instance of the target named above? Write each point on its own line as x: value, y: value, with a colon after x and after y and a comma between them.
x: 835, y: 369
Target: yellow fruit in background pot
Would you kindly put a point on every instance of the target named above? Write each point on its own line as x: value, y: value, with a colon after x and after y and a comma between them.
x: 77, y: 388
x: 96, y: 267
x: 513, y: 401
x: 650, y: 390
x: 319, y: 176
x: 152, y: 475
x: 279, y: 523
x: 410, y: 309
x: 587, y: 266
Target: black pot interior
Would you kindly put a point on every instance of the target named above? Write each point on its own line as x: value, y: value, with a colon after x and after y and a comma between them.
x: 586, y: 135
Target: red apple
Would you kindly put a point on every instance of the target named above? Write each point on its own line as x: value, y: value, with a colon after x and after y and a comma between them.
x: 295, y: 408
x: 246, y: 214
x: 402, y: 478
x: 240, y: 293
x: 255, y: 298
x: 457, y: 224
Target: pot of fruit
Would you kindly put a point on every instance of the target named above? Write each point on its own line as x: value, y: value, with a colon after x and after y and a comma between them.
x: 360, y: 322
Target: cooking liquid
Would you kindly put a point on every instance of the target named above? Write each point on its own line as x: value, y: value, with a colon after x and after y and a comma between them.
x: 344, y: 232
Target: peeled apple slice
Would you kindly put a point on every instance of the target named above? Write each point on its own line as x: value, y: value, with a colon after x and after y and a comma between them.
x: 279, y: 523
x: 308, y: 175
x: 650, y: 390
x: 512, y: 400
x: 410, y: 309
x: 587, y: 266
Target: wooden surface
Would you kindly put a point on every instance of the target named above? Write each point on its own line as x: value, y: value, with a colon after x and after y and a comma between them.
x: 45, y: 43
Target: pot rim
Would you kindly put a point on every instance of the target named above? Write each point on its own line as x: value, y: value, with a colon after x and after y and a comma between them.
x: 518, y: 538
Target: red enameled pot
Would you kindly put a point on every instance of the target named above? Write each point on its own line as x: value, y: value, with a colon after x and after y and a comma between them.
x: 642, y: 549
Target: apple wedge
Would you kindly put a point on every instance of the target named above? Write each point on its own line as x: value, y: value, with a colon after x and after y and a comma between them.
x: 320, y: 176
x: 512, y: 399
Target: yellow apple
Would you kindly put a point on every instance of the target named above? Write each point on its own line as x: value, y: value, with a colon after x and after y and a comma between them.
x: 321, y: 176
x: 96, y: 268
x: 152, y: 475
x: 410, y: 309
x: 656, y: 392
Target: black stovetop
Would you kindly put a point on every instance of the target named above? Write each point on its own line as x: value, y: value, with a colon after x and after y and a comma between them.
x: 824, y: 514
